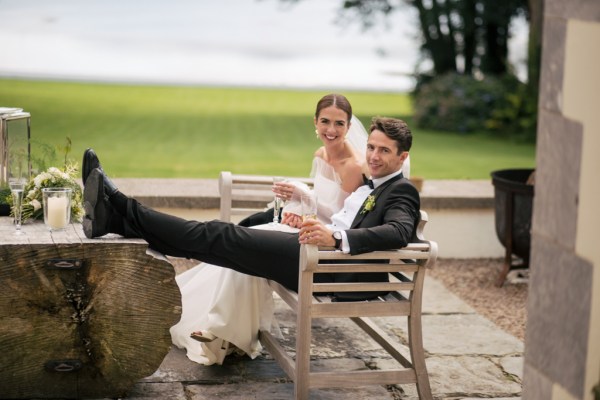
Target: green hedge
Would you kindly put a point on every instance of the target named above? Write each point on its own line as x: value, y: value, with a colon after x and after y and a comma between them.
x: 461, y: 103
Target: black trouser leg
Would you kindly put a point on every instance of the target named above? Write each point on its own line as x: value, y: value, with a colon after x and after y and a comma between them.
x: 268, y: 254
x: 259, y: 218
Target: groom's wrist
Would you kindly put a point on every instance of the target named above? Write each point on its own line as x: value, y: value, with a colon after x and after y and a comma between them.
x: 337, y: 238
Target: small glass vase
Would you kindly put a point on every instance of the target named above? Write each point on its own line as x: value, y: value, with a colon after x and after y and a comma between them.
x: 57, y: 208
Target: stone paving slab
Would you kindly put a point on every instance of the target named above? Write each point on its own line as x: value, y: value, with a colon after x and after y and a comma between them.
x: 464, y: 334
x: 462, y: 377
x: 166, y: 391
x: 439, y: 300
x: 513, y: 366
x: 279, y: 391
x: 470, y: 376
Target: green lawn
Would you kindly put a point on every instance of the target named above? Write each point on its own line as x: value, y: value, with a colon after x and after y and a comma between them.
x: 160, y: 131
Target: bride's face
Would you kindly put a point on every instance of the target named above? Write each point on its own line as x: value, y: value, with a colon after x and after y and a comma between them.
x: 332, y: 125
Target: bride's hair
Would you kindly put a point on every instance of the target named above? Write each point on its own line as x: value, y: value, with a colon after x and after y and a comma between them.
x: 337, y: 100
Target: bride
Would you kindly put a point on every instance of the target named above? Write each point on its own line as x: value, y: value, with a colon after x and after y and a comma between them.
x: 223, y: 309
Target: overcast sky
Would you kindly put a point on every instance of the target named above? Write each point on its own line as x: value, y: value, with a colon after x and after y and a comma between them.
x: 216, y: 42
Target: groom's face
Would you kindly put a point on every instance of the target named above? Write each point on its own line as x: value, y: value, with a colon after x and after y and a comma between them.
x: 382, y: 155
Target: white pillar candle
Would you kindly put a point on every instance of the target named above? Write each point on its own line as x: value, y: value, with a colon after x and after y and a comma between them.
x: 57, y: 212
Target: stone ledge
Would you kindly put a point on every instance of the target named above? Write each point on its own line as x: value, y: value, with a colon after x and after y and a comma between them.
x: 204, y: 193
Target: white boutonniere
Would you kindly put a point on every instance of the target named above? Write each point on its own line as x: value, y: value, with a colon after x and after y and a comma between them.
x: 369, y: 204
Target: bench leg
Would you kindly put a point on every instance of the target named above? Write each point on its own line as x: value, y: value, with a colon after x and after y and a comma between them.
x: 417, y: 355
x: 303, y: 337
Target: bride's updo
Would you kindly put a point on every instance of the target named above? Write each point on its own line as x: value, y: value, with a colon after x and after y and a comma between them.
x: 337, y: 100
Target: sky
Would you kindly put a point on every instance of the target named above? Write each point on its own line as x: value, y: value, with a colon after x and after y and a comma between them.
x: 210, y: 42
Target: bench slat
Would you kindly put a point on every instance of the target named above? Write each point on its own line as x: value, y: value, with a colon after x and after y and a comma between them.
x: 336, y: 268
x: 360, y: 309
x: 361, y: 287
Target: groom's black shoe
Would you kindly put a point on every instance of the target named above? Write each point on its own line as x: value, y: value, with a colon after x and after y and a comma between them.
x: 91, y: 162
x: 98, y: 210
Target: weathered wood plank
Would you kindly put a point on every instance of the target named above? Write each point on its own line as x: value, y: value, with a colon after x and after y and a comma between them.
x: 112, y: 314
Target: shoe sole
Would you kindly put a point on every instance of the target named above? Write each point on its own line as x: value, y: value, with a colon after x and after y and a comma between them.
x: 93, y: 205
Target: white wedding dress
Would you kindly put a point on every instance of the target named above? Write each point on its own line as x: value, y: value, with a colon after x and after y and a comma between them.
x: 233, y: 306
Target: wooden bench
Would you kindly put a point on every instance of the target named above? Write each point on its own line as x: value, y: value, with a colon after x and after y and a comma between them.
x: 406, y: 267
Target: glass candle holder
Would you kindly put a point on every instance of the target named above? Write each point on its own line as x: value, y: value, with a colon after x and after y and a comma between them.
x: 57, y: 208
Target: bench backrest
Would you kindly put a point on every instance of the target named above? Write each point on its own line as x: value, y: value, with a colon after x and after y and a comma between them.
x: 242, y: 195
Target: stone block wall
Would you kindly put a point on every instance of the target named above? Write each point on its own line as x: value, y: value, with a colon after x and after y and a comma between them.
x: 562, y: 346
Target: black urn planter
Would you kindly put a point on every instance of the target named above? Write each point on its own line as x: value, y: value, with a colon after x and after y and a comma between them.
x: 4, y: 210
x: 513, y: 203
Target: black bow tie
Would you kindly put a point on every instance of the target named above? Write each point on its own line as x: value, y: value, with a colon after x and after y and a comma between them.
x: 368, y: 182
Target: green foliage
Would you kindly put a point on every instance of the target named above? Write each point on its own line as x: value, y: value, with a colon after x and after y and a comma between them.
x: 516, y: 116
x: 461, y: 103
x: 5, y: 195
x: 43, y: 156
x: 196, y: 132
x: 66, y: 149
x: 457, y: 103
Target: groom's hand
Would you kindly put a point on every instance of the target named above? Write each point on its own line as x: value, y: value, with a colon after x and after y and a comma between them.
x: 314, y: 232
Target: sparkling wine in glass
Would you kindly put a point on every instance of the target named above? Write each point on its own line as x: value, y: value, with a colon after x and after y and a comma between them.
x: 278, y: 203
x: 309, y: 207
x: 17, y: 186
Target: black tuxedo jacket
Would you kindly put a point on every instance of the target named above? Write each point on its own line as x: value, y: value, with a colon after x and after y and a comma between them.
x: 391, y: 223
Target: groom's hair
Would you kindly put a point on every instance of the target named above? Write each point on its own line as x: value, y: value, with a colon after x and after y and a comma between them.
x: 395, y: 129
x: 337, y: 100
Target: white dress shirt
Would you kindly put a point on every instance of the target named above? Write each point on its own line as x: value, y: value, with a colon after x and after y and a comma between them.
x: 342, y: 220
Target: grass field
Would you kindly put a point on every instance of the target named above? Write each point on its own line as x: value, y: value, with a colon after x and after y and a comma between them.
x: 195, y: 132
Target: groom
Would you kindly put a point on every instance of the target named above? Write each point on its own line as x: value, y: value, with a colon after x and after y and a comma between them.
x: 380, y: 218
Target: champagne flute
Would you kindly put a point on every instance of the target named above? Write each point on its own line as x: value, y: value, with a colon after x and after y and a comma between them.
x: 17, y: 186
x: 278, y: 203
x: 308, y: 203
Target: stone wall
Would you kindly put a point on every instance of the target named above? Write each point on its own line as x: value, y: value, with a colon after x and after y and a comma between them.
x: 562, y: 346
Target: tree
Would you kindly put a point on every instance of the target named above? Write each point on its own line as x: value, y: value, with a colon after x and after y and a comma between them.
x: 474, y: 32
x: 534, y: 48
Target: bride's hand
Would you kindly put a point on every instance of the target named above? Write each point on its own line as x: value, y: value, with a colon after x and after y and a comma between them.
x: 290, y: 190
x: 293, y: 220
x: 285, y: 190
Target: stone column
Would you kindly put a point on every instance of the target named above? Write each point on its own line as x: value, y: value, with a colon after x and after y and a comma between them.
x: 562, y: 344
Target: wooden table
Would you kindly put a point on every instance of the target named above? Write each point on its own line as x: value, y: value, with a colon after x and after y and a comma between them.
x: 79, y: 317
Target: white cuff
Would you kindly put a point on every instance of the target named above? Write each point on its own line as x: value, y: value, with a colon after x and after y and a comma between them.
x: 345, y: 245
